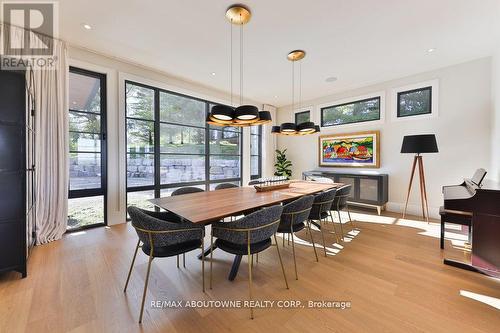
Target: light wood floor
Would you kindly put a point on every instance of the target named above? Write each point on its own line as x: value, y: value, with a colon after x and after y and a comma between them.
x: 391, y: 270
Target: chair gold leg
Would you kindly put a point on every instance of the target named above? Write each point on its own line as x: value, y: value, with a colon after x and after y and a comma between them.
x: 251, y: 259
x: 184, y: 260
x: 145, y: 288
x: 131, y: 266
x: 334, y: 229
x: 350, y: 219
x: 211, y: 258
x: 322, y: 236
x: 281, y: 262
x: 312, y: 240
x: 294, y: 259
x: 341, y: 229
x: 203, y: 263
x: 249, y: 275
x: 257, y: 258
x: 283, y: 236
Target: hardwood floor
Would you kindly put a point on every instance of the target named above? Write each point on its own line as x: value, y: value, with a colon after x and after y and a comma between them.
x: 389, y: 269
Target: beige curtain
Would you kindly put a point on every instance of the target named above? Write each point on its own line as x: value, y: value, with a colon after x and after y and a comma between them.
x: 50, y: 90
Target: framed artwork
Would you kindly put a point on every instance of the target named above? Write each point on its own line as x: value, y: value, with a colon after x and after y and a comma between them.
x: 354, y: 150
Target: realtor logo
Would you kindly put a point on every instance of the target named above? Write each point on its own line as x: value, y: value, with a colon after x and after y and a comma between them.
x: 28, y: 33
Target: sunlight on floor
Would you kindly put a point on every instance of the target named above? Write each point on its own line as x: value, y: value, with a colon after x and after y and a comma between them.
x: 491, y: 301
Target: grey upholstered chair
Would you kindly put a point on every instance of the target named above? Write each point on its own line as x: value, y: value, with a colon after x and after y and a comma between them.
x: 340, y: 203
x: 292, y: 220
x: 187, y: 190
x: 321, y: 210
x: 225, y: 185
x: 249, y: 235
x: 162, y: 234
x: 181, y: 191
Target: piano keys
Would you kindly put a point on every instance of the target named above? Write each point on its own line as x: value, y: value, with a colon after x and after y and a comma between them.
x: 482, y: 200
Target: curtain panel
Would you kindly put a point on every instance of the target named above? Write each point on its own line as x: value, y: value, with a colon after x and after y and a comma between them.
x: 49, y: 88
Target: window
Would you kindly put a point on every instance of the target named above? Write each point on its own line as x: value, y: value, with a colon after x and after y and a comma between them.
x: 415, y: 102
x: 87, y: 149
x: 351, y: 112
x: 302, y: 117
x: 169, y: 145
x: 255, y: 152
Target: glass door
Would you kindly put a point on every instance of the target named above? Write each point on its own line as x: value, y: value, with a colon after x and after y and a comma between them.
x: 87, y: 149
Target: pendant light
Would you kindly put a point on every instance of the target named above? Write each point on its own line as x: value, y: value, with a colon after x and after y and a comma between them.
x: 304, y: 128
x: 243, y: 115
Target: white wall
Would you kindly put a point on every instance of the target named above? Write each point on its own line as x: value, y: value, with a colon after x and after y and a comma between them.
x: 495, y: 124
x: 116, y: 72
x: 462, y: 129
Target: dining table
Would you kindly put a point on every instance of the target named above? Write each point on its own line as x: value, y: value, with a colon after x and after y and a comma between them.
x: 210, y: 206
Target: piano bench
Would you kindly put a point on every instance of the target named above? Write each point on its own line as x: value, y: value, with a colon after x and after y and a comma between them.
x: 455, y: 217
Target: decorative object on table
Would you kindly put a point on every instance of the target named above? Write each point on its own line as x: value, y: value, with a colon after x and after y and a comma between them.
x: 243, y: 115
x: 355, y: 150
x: 419, y: 144
x: 271, y: 184
x: 304, y: 128
x: 283, y: 165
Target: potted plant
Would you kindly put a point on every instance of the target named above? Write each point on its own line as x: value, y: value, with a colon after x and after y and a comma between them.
x: 283, y: 165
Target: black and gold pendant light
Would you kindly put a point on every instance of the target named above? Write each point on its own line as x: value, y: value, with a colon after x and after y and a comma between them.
x: 304, y: 128
x: 243, y: 115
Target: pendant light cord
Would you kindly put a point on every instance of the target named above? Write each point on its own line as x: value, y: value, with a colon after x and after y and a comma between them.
x: 231, y: 63
x: 241, y: 62
x: 293, y: 85
x: 300, y: 84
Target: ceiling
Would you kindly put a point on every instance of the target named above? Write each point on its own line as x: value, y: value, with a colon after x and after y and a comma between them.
x: 358, y: 41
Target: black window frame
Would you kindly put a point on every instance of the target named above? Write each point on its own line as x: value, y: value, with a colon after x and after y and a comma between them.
x: 302, y: 112
x: 398, y: 114
x: 157, y: 185
x: 259, y: 155
x: 353, y: 102
x: 103, y: 191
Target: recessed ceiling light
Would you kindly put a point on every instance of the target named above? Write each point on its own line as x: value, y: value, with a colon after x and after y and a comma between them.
x: 86, y: 26
x: 213, y: 73
x: 275, y: 96
x: 431, y: 50
x: 331, y: 79
x: 74, y: 102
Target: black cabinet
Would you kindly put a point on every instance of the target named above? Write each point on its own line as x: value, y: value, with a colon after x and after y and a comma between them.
x: 17, y: 173
x: 367, y: 190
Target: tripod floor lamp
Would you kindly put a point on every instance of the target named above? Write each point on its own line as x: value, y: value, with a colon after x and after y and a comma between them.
x: 419, y: 144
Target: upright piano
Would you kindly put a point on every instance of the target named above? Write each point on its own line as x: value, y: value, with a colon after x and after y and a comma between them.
x: 481, y: 198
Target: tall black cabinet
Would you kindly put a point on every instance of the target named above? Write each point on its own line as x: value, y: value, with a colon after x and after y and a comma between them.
x: 17, y: 172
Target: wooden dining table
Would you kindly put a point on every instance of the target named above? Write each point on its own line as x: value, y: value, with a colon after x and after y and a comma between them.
x: 207, y: 207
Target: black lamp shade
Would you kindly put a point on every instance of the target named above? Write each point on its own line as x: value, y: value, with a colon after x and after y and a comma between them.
x: 246, y: 112
x: 288, y: 128
x: 222, y: 112
x: 307, y: 126
x: 275, y: 130
x: 418, y: 144
x: 265, y: 116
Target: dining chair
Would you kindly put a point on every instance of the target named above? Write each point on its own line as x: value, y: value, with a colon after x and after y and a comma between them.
x: 293, y: 217
x: 340, y: 203
x: 181, y: 191
x: 247, y: 236
x: 162, y: 234
x: 187, y: 190
x: 320, y: 211
x: 225, y: 185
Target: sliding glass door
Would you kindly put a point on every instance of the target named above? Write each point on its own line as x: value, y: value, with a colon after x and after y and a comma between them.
x: 87, y: 149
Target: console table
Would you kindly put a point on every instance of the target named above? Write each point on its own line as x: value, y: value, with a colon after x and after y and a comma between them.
x: 368, y: 190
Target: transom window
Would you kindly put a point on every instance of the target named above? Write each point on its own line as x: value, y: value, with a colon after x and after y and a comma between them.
x: 415, y: 102
x: 302, y: 117
x: 351, y: 112
x: 169, y: 145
